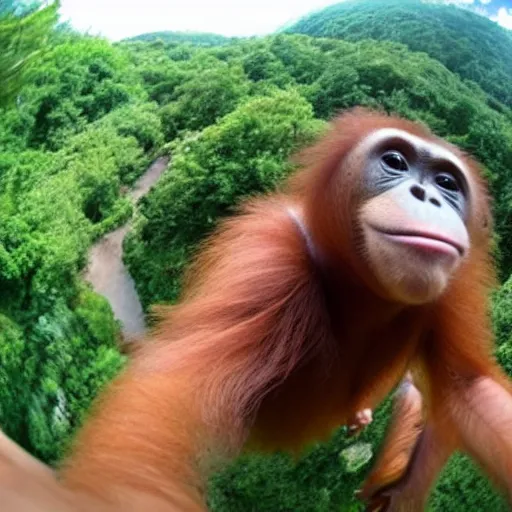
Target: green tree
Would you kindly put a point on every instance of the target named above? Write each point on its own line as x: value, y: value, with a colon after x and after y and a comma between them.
x: 22, y: 38
x: 14, y: 377
x: 204, y: 98
x: 76, y: 83
x: 75, y: 353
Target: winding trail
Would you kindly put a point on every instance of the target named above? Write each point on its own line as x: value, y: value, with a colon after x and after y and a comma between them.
x: 106, y: 271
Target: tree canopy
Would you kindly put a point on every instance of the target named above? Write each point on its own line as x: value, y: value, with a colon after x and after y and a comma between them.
x: 470, y: 45
x: 194, y: 38
x: 23, y: 35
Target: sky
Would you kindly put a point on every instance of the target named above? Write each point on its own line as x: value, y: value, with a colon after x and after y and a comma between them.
x: 504, y: 17
x: 118, y: 19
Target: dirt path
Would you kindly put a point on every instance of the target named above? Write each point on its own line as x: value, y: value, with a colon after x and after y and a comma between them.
x: 106, y: 271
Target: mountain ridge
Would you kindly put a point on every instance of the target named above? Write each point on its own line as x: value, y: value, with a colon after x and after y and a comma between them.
x: 468, y: 44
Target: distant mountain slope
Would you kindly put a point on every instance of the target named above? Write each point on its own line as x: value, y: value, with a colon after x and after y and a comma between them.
x: 195, y: 38
x: 466, y: 43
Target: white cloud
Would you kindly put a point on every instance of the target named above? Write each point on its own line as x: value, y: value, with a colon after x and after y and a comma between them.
x: 459, y: 2
x: 117, y: 19
x: 504, y: 17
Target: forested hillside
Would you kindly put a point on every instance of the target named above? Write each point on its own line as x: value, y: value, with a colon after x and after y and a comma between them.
x: 85, y: 119
x: 468, y: 44
x: 195, y: 38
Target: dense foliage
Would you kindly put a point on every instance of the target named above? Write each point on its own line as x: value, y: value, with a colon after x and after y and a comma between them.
x: 80, y: 129
x: 22, y: 34
x: 468, y: 44
x: 90, y: 118
x: 195, y: 38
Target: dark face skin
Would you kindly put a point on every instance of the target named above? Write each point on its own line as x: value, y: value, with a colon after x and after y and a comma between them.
x: 431, y: 177
x: 417, y: 196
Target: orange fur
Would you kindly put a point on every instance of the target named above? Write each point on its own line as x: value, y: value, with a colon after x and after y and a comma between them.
x: 265, y: 348
x: 405, y: 428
